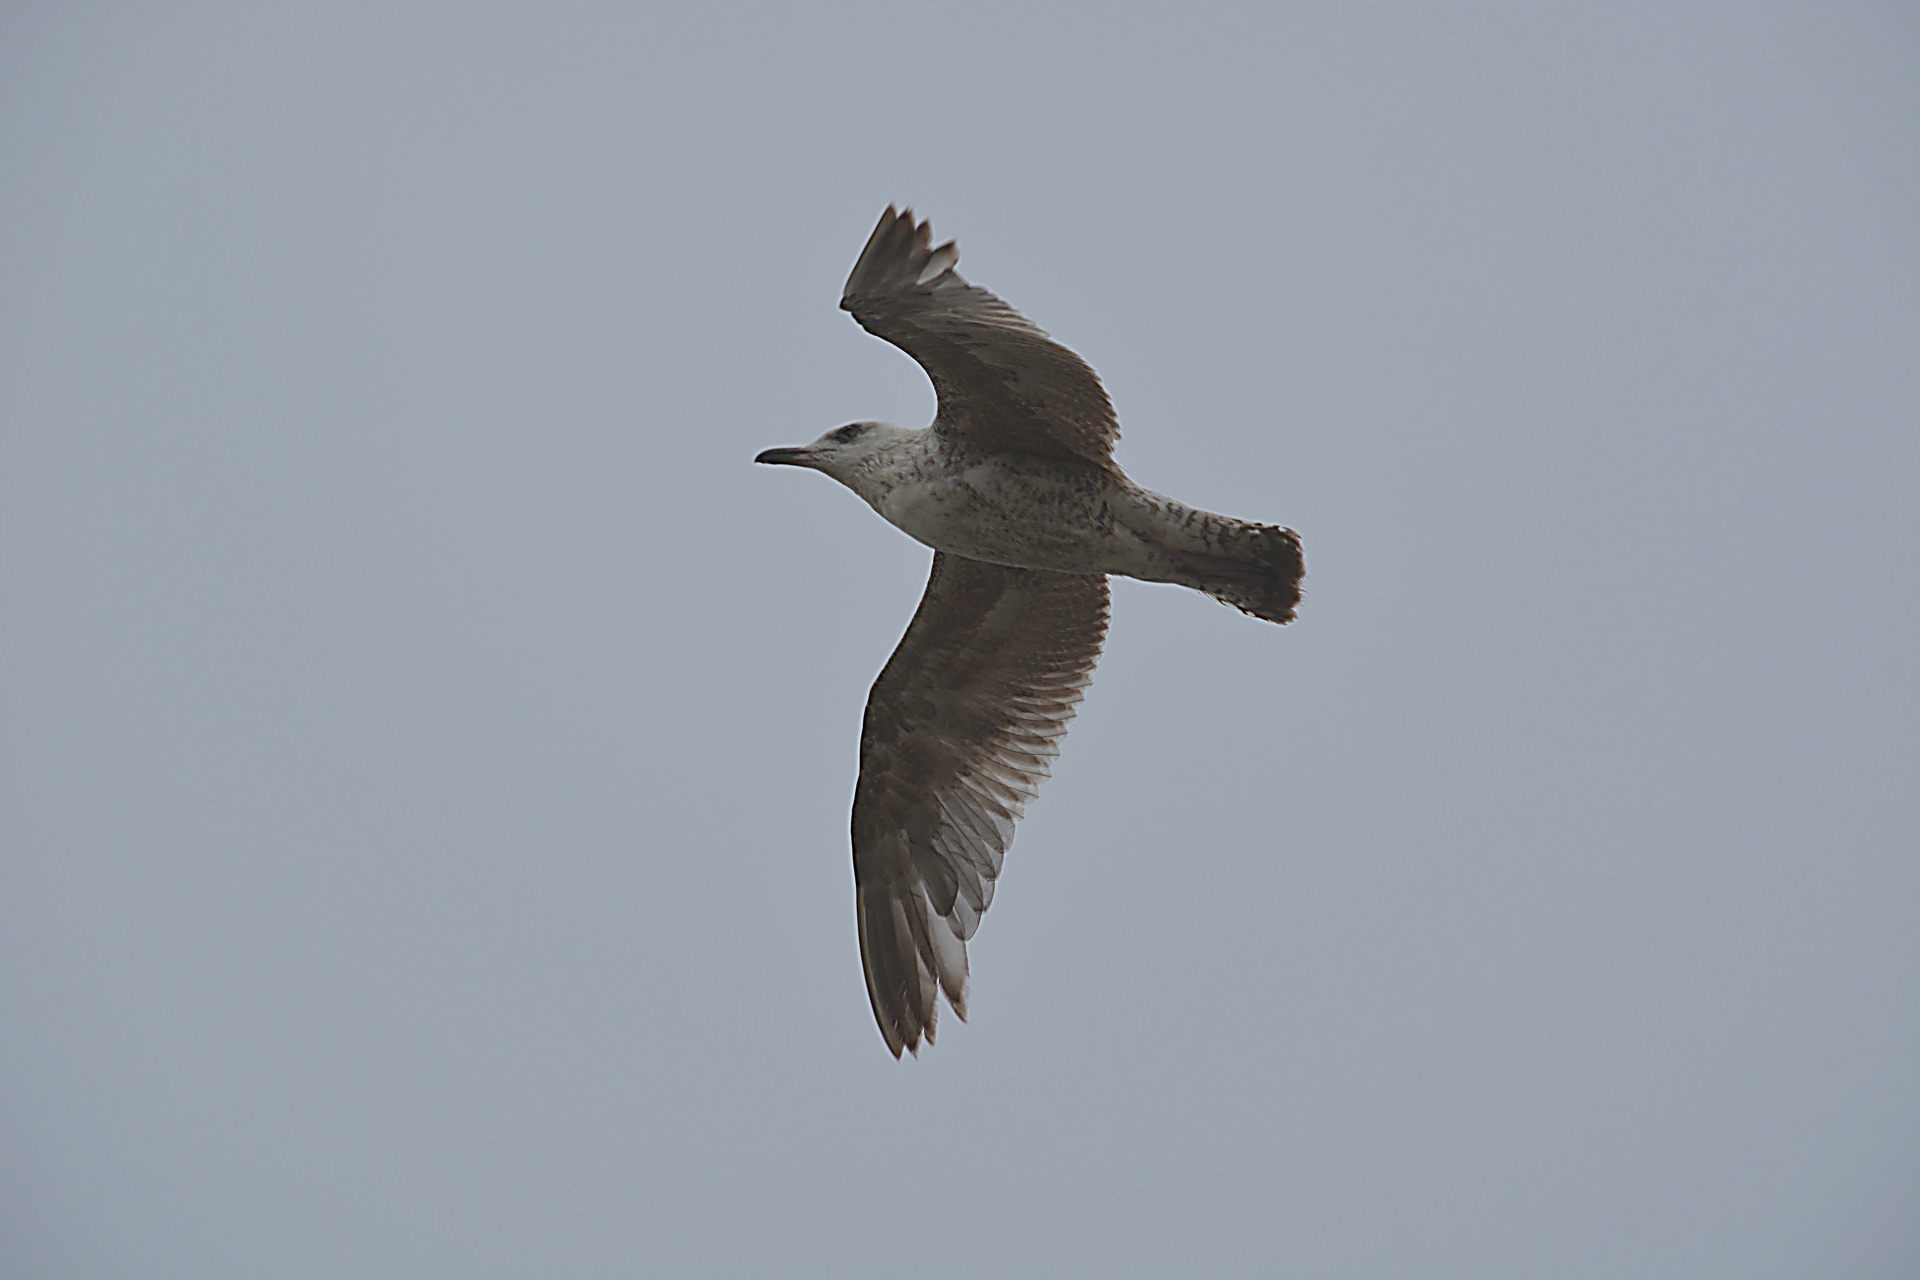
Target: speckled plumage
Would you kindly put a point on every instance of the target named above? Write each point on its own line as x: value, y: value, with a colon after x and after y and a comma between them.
x: 1015, y: 488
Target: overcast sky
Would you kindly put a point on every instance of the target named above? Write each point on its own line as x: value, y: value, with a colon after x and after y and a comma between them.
x: 426, y: 739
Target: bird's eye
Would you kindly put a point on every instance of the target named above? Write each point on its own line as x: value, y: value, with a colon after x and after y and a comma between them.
x: 847, y: 432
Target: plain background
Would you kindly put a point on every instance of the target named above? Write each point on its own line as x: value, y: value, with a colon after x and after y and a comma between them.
x: 428, y: 739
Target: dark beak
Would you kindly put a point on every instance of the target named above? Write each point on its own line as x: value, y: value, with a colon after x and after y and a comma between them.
x: 787, y: 457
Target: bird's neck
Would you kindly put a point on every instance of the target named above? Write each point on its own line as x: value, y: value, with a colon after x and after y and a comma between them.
x: 901, y: 462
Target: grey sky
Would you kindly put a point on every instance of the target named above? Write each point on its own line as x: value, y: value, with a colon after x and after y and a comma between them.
x: 428, y: 738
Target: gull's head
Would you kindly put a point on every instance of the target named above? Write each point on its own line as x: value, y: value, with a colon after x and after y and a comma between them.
x: 849, y: 454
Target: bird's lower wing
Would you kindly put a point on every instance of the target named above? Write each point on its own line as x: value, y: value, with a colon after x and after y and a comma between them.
x: 960, y: 728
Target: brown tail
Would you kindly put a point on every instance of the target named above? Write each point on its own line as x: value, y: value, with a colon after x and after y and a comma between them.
x: 1256, y: 568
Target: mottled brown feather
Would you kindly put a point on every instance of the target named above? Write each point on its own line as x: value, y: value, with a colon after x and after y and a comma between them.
x: 960, y: 728
x: 1004, y: 385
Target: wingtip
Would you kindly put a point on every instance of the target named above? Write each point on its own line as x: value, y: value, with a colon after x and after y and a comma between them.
x: 899, y: 256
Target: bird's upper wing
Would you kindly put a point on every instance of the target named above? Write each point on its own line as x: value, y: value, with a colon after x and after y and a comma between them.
x: 960, y: 729
x: 1004, y: 385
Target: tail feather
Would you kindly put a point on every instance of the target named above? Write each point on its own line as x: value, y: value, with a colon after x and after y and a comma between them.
x: 1256, y: 568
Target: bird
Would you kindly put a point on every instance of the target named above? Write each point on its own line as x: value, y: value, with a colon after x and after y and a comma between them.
x: 1014, y: 487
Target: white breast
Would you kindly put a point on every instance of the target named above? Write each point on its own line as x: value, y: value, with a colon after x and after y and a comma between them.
x: 937, y: 508
x: 1005, y: 514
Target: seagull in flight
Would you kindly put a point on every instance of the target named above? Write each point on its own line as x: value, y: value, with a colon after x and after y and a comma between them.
x: 1015, y: 488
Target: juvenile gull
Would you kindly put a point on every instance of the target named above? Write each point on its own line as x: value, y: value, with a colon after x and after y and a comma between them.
x: 1015, y: 488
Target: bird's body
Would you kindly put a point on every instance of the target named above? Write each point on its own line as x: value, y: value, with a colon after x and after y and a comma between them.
x: 1015, y: 488
x: 1065, y: 515
x: 1010, y: 509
